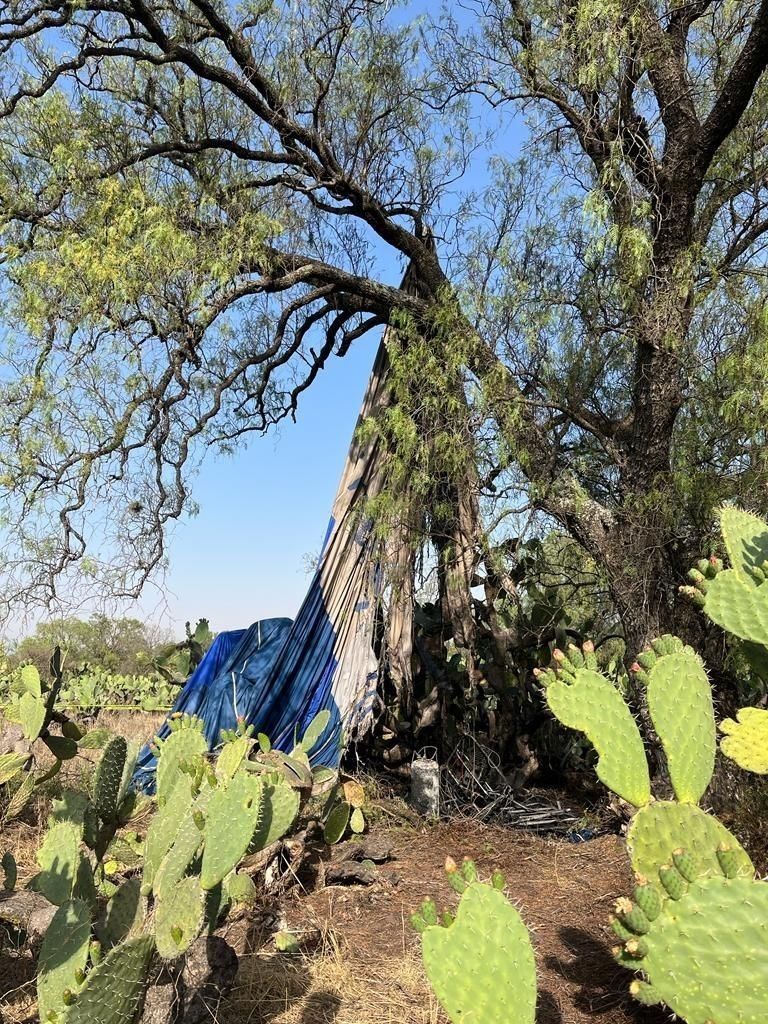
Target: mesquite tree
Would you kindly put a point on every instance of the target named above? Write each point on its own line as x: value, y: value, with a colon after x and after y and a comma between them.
x: 203, y: 201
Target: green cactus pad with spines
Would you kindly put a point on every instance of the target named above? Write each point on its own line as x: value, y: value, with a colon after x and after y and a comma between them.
x: 239, y: 887
x: 481, y: 966
x: 63, y: 954
x: 30, y: 711
x: 746, y: 539
x: 739, y: 606
x: 185, y: 746
x: 680, y: 705
x: 662, y: 827
x: 108, y: 777
x: 280, y: 808
x: 179, y: 918
x: 746, y: 739
x: 163, y: 829
x: 337, y: 821
x: 704, y: 955
x: 11, y: 765
x: 231, y: 821
x: 313, y: 733
x: 10, y: 871
x: 231, y: 756
x: 592, y: 705
x: 59, y: 860
x: 113, y: 992
x: 29, y: 678
x: 186, y: 845
x: 124, y: 915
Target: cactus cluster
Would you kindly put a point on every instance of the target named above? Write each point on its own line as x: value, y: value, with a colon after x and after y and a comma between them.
x: 679, y: 701
x: 480, y: 963
x: 699, y: 939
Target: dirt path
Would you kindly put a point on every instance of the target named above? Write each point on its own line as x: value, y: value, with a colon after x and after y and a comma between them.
x: 368, y: 969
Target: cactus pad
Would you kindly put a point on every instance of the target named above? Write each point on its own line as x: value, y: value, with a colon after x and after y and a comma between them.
x: 113, y: 992
x: 314, y: 731
x: 735, y: 603
x: 703, y: 953
x: 680, y: 705
x: 746, y: 739
x: 481, y: 966
x: 179, y: 918
x: 336, y: 822
x: 124, y: 915
x: 163, y: 829
x: 59, y: 860
x: 63, y: 954
x: 746, y: 539
x: 30, y: 711
x: 231, y: 821
x: 585, y: 700
x: 279, y: 811
x: 11, y: 765
x: 185, y: 745
x: 186, y: 844
x: 108, y: 777
x: 659, y: 829
x: 231, y: 756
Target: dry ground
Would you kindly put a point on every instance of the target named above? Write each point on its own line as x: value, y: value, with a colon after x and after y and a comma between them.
x: 368, y: 970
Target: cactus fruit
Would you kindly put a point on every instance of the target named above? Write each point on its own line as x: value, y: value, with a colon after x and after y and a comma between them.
x: 703, y: 952
x: 662, y: 827
x: 583, y: 699
x: 746, y: 739
x: 114, y: 989
x: 179, y: 918
x: 108, y: 776
x: 63, y: 955
x: 59, y: 860
x: 680, y: 705
x: 124, y: 914
x: 280, y: 808
x: 185, y: 745
x: 481, y: 965
x: 231, y: 821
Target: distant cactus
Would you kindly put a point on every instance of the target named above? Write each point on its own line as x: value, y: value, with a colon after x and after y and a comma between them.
x: 701, y: 946
x: 480, y: 964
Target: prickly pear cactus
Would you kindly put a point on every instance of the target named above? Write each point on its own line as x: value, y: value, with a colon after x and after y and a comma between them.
x: 663, y: 826
x: 108, y: 777
x: 746, y: 739
x: 700, y: 943
x: 164, y: 828
x: 480, y: 965
x: 184, y: 747
x: 124, y: 915
x: 582, y: 698
x: 280, y: 809
x: 232, y: 818
x: 114, y: 989
x: 680, y: 706
x: 179, y: 918
x: 736, y: 598
x: 59, y: 860
x: 63, y: 956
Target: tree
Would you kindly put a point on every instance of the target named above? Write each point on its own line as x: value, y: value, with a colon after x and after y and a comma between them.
x: 123, y: 646
x: 200, y: 200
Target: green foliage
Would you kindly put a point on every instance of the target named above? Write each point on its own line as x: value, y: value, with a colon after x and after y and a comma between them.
x: 480, y: 964
x: 701, y: 946
x: 63, y: 956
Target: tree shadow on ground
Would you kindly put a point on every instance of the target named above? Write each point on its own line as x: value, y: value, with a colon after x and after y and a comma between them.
x: 547, y: 1010
x: 603, y: 985
x: 321, y: 1008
